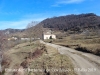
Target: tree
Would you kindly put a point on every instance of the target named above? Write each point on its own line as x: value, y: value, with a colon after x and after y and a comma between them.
x: 98, y: 30
x: 2, y: 47
x: 99, y: 33
x: 50, y: 37
x: 34, y: 31
x: 29, y: 32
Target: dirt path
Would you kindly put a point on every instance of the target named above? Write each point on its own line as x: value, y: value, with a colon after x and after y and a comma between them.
x: 85, y: 64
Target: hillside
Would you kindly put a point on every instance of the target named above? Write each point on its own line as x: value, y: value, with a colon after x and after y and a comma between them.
x: 72, y: 22
x: 9, y: 30
x: 35, y: 59
x: 81, y: 32
x: 69, y: 23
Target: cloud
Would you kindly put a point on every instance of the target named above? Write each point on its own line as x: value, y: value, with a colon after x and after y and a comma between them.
x: 13, y: 24
x: 59, y: 2
x: 10, y: 13
x: 28, y: 18
x: 22, y: 23
x: 69, y: 1
x: 36, y: 17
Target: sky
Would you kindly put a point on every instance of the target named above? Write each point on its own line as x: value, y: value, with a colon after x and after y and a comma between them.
x: 18, y: 14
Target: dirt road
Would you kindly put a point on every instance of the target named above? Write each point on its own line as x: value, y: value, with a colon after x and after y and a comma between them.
x: 84, y: 63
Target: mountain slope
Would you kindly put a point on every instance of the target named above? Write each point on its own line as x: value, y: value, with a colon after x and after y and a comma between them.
x: 9, y: 30
x: 72, y: 22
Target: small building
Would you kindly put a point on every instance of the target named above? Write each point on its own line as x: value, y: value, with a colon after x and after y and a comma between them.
x: 48, y: 35
x: 12, y: 38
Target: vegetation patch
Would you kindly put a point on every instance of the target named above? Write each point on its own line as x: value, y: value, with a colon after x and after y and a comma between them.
x: 39, y: 59
x: 81, y: 43
x: 52, y: 63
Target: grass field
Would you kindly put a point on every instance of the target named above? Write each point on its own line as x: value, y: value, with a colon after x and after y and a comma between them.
x: 80, y: 42
x: 45, y: 60
x: 53, y: 62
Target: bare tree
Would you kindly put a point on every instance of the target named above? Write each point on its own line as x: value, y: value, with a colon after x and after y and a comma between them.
x: 34, y: 31
x: 2, y: 47
x: 97, y: 31
x: 29, y: 32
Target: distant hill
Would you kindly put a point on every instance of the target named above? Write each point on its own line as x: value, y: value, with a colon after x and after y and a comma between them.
x: 72, y: 22
x: 9, y: 30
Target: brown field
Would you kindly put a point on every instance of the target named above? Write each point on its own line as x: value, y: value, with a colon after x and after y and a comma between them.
x: 45, y: 60
x: 83, y: 43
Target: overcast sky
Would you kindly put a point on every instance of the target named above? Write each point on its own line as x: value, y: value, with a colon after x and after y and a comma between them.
x: 18, y: 13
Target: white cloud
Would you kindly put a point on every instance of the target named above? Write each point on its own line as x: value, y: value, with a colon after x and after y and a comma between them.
x: 26, y: 19
x: 16, y: 24
x: 10, y: 13
x: 13, y: 24
x: 59, y: 2
x: 36, y: 17
x: 23, y: 22
x: 69, y: 1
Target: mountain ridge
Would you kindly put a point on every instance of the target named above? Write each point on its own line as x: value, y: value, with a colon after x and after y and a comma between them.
x: 72, y: 22
x: 11, y: 30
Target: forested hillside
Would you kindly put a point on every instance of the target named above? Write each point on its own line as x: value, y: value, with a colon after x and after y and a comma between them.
x: 73, y: 22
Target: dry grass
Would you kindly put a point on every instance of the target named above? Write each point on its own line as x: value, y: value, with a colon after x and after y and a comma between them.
x: 52, y: 60
x: 47, y: 58
x: 90, y: 43
x: 18, y: 53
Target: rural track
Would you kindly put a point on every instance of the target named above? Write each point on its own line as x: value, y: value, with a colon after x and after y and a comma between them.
x: 84, y: 63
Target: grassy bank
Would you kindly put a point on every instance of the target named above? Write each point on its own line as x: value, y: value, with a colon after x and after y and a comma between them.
x: 39, y: 59
x: 51, y: 62
x: 80, y: 42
